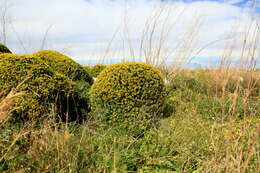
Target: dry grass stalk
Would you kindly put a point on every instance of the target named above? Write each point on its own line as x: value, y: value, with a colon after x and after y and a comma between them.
x: 6, y: 103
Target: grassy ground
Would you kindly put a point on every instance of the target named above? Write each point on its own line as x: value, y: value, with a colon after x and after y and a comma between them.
x: 211, y: 124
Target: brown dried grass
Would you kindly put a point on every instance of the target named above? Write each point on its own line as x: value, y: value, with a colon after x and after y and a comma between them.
x: 7, y: 102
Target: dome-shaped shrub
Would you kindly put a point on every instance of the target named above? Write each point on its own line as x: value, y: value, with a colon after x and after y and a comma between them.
x: 96, y: 69
x: 43, y: 88
x: 124, y: 90
x: 65, y: 65
x: 88, y: 69
x: 4, y: 49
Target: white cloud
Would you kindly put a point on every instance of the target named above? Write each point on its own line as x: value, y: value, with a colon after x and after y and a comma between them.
x: 85, y: 28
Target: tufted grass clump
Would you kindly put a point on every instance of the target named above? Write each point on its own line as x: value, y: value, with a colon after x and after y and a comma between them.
x: 4, y: 49
x: 43, y: 88
x: 129, y: 93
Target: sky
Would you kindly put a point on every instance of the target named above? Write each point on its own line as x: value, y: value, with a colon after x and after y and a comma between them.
x: 107, y: 31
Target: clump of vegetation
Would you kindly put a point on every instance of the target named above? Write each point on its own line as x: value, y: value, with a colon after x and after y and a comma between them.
x: 186, y: 82
x: 87, y: 68
x: 201, y: 91
x: 43, y: 89
x: 64, y: 65
x: 94, y: 70
x: 126, y: 90
x: 4, y: 49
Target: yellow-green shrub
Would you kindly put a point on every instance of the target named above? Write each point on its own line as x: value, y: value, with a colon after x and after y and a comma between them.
x: 96, y: 69
x: 4, y: 49
x: 126, y: 90
x: 65, y: 65
x: 43, y: 88
x: 87, y: 68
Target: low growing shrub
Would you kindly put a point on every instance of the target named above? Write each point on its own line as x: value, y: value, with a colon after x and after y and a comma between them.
x: 64, y: 65
x: 44, y: 89
x: 128, y: 93
x: 96, y: 69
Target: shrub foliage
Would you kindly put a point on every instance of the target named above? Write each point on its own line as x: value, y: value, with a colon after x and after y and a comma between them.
x: 96, y: 69
x: 125, y: 90
x: 4, y: 49
x: 64, y: 65
x: 43, y: 88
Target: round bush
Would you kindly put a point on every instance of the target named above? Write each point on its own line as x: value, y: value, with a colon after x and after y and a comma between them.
x: 60, y: 63
x: 127, y: 90
x: 65, y: 65
x: 4, y: 49
x: 87, y: 68
x: 96, y: 69
x: 44, y: 90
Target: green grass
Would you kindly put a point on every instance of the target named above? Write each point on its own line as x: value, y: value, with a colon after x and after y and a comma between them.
x: 204, y: 129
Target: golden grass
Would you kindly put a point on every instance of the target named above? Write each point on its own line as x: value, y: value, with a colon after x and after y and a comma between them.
x: 8, y: 101
x: 6, y: 104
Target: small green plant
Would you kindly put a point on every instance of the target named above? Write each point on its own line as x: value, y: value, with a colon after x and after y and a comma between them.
x: 128, y: 90
x: 4, y: 49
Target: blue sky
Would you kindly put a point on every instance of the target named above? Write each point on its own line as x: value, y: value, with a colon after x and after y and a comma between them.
x: 94, y: 30
x: 233, y: 2
x: 238, y: 3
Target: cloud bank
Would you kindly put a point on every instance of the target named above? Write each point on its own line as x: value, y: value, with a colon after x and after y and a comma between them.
x: 89, y: 30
